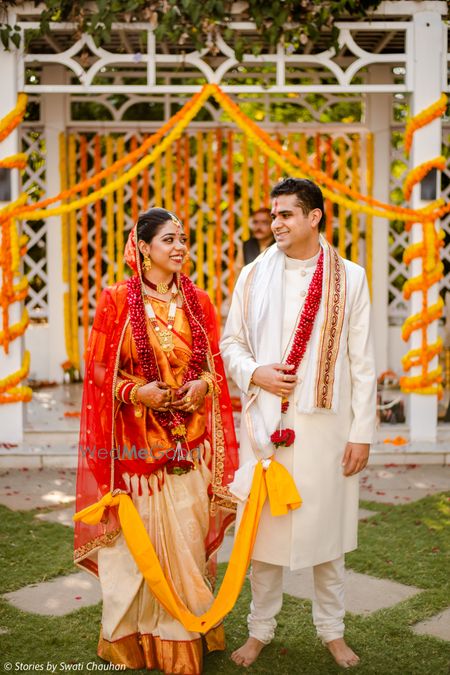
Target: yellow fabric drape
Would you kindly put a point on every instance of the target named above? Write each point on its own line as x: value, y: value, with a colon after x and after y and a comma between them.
x: 274, y: 481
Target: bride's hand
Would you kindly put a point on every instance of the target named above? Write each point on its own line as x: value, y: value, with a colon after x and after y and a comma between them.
x: 155, y: 395
x: 192, y: 396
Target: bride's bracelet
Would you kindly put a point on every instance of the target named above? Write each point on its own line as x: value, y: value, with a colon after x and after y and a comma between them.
x: 209, y: 379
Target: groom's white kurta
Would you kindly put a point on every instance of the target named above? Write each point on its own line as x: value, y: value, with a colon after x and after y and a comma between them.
x: 325, y: 526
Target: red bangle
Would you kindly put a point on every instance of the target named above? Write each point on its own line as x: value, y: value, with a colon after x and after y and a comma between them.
x: 123, y: 391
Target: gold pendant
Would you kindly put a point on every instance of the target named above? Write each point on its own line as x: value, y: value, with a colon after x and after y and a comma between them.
x: 162, y: 288
x: 165, y: 338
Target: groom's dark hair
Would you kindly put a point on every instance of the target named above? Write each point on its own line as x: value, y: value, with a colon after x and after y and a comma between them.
x: 309, y: 195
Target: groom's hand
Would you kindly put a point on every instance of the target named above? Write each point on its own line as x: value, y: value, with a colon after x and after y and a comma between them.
x: 275, y: 379
x: 355, y: 458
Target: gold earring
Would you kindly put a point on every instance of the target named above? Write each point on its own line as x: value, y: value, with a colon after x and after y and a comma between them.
x: 147, y: 264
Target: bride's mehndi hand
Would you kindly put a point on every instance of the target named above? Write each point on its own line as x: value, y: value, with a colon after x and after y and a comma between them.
x: 191, y: 396
x: 155, y: 395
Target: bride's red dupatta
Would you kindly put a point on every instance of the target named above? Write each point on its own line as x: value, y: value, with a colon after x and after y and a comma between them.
x: 98, y: 473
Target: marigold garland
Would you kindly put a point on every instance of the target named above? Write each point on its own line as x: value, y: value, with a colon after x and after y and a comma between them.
x: 13, y: 118
x: 428, y: 382
x: 356, y: 159
x: 73, y: 258
x: 421, y: 356
x: 342, y: 213
x: 11, y: 381
x: 17, y: 329
x: 65, y: 241
x: 13, y: 247
x: 230, y: 194
x: 218, y: 219
x: 423, y: 118
x: 245, y: 198
x: 210, y: 221
x: 98, y: 221
x: 422, y: 319
x: 120, y: 214
x: 199, y: 236
x: 84, y: 245
x: 110, y: 235
x: 17, y: 161
x: 114, y: 167
x: 419, y: 172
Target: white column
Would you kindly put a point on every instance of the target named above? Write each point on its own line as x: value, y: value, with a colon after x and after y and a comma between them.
x: 426, y: 54
x: 378, y: 120
x: 11, y: 414
x: 54, y: 118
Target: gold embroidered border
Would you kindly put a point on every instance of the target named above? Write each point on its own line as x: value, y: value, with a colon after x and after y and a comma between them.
x: 103, y: 540
x: 334, y: 296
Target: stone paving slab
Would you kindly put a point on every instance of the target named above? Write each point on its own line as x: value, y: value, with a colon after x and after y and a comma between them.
x: 363, y: 594
x: 23, y: 489
x: 61, y: 516
x: 59, y: 596
x: 437, y: 626
x: 393, y: 484
x: 45, y: 411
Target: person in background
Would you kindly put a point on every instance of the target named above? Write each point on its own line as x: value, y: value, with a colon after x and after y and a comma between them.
x: 262, y: 238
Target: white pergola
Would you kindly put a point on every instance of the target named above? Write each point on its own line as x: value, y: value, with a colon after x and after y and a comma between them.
x: 400, y: 51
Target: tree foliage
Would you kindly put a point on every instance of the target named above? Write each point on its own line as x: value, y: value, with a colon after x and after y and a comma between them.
x: 194, y: 22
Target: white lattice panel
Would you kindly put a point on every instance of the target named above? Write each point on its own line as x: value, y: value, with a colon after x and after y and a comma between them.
x: 35, y: 259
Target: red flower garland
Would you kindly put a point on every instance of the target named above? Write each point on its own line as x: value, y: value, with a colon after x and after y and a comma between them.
x: 168, y: 419
x: 285, y: 437
x: 305, y: 325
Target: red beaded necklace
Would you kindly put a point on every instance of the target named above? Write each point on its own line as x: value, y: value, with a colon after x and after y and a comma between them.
x: 173, y: 420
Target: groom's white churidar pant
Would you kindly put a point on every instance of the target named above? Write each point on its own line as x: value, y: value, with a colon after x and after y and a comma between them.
x: 267, y: 598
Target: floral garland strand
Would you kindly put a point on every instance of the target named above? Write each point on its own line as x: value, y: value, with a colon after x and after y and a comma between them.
x: 289, y: 162
x: 13, y: 118
x: 175, y: 421
x: 427, y: 382
x: 113, y: 185
x: 419, y: 172
x: 16, y: 161
x: 130, y: 158
x: 302, y: 336
x: 423, y: 118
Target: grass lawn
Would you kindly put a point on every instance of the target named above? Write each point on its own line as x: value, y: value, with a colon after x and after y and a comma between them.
x: 409, y: 544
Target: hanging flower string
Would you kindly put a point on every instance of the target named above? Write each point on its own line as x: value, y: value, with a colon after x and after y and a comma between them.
x: 302, y: 336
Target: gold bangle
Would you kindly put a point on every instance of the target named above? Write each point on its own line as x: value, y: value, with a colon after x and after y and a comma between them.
x: 133, y: 394
x: 133, y: 400
x: 116, y: 391
x: 209, y: 379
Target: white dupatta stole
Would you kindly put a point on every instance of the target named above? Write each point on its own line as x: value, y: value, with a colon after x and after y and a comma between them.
x: 263, y: 317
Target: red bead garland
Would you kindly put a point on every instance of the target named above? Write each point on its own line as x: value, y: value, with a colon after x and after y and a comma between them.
x: 305, y: 326
x: 174, y: 420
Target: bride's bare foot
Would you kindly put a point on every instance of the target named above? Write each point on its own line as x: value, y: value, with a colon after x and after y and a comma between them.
x: 342, y: 654
x: 248, y: 653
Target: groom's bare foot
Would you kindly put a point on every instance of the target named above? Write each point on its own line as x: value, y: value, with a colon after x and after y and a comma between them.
x: 248, y: 653
x: 342, y: 654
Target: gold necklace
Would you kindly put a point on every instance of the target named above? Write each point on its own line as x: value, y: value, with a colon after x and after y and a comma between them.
x: 164, y: 335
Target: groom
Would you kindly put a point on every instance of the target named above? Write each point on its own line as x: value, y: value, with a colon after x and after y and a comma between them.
x: 298, y: 340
